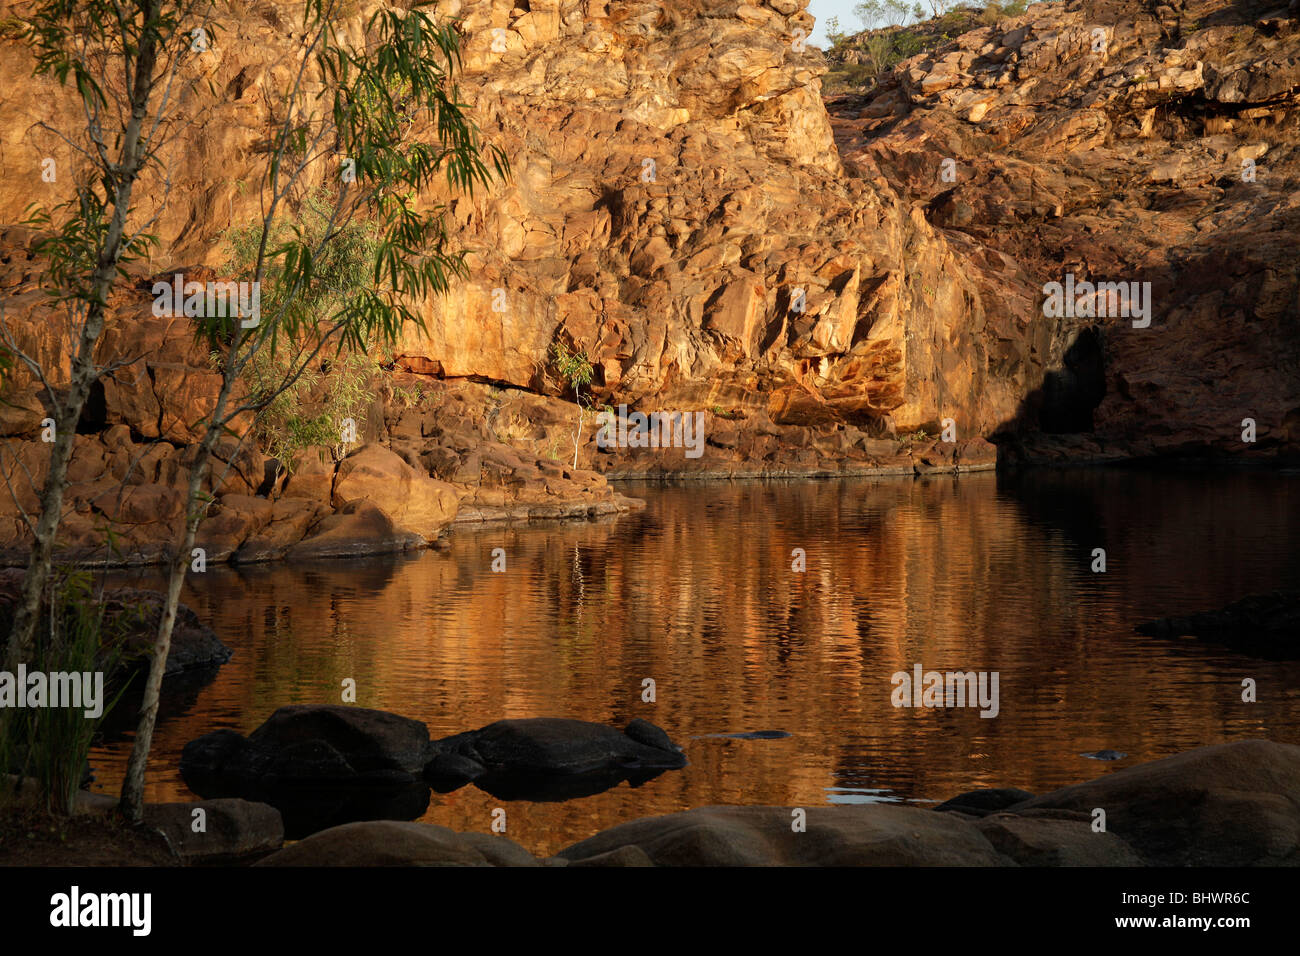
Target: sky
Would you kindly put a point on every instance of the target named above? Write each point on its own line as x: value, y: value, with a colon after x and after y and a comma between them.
x: 824, y: 9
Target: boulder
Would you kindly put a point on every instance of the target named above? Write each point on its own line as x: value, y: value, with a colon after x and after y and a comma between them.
x: 311, y: 475
x: 871, y: 835
x: 393, y: 843
x: 136, y: 612
x: 359, y: 528
x: 414, y: 501
x: 978, y: 803
x: 1055, y: 838
x: 549, y: 758
x: 315, y: 743
x: 319, y: 765
x: 1232, y: 804
x: 231, y: 831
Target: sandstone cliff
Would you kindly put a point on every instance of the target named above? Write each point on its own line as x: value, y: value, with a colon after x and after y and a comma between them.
x: 685, y: 209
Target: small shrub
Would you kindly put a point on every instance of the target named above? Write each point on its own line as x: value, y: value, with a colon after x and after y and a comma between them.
x: 310, y: 411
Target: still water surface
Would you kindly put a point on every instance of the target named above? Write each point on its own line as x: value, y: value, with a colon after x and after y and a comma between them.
x: 980, y: 572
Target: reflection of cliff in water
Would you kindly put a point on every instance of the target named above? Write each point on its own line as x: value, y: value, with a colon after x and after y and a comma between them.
x: 697, y: 593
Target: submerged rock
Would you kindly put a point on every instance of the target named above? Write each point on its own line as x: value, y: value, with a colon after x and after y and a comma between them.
x: 1105, y: 755
x: 978, y: 803
x: 1267, y: 625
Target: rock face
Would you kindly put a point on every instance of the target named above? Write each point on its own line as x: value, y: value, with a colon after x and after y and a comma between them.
x: 859, y: 290
x: 1116, y: 141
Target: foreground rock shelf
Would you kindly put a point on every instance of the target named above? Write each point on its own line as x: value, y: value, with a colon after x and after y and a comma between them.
x: 1232, y: 804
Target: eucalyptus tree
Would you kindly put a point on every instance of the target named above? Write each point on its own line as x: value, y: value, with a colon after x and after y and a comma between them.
x: 124, y: 58
x: 380, y: 122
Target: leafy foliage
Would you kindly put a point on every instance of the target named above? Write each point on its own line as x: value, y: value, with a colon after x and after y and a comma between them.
x: 576, y: 369
x: 573, y: 366
x: 310, y: 409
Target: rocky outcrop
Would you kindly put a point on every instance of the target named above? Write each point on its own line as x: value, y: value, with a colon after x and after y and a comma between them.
x: 1116, y: 141
x: 678, y: 212
x: 859, y: 291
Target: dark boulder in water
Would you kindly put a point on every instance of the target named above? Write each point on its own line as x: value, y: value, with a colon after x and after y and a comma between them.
x: 316, y: 743
x: 319, y: 765
x: 1262, y: 625
x: 326, y: 765
x: 134, y: 613
x: 550, y: 758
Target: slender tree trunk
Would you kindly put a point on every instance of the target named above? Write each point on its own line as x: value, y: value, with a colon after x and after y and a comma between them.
x: 131, y: 804
x: 577, y: 435
x: 22, y: 635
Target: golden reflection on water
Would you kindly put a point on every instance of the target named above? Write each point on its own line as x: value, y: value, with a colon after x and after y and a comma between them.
x: 697, y: 593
